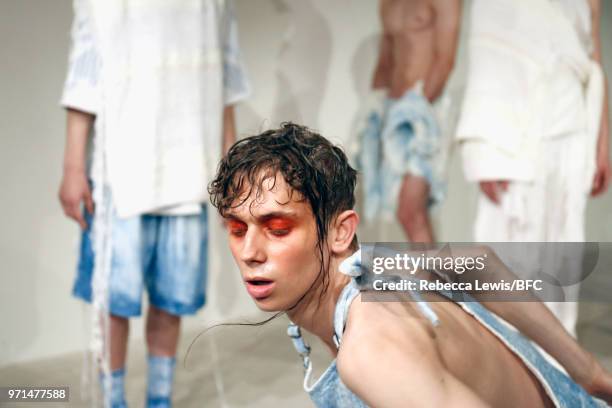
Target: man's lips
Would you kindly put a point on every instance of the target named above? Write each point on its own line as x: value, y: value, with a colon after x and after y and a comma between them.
x: 259, y: 288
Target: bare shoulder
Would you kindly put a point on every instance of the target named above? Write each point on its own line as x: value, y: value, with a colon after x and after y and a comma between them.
x: 379, y: 319
x: 384, y: 335
x: 388, y: 357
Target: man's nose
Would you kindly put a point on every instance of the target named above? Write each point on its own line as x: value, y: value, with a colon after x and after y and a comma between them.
x: 252, y: 249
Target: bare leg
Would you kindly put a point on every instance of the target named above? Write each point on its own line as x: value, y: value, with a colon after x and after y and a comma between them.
x: 119, y: 331
x: 412, y: 209
x: 162, y: 332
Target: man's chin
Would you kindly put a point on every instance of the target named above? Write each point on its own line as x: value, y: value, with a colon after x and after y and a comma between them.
x: 267, y: 305
x: 273, y: 304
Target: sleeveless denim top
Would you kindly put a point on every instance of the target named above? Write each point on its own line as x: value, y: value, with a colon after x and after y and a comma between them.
x: 329, y: 391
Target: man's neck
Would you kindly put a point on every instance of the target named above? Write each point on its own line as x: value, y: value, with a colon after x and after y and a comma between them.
x: 316, y: 313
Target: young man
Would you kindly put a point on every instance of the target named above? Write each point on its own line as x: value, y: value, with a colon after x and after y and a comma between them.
x: 534, y: 124
x: 287, y: 197
x: 400, y: 146
x: 159, y: 81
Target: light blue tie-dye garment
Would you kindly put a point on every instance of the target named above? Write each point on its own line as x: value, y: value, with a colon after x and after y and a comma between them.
x: 401, y: 137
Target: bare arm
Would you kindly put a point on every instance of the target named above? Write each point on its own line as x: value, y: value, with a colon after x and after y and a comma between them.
x: 448, y: 22
x: 74, y: 188
x: 602, y: 176
x: 382, y: 72
x: 534, y: 319
x: 531, y: 317
x: 229, y: 128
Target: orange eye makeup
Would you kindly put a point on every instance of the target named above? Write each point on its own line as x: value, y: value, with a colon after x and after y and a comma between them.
x: 279, y: 223
x: 279, y: 226
x: 276, y: 224
x: 236, y: 227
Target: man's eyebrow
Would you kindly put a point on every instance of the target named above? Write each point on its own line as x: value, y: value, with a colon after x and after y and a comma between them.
x: 263, y: 217
x: 276, y: 214
x: 231, y: 217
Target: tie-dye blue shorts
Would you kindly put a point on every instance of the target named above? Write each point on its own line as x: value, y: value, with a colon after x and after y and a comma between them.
x: 400, y: 137
x: 167, y: 254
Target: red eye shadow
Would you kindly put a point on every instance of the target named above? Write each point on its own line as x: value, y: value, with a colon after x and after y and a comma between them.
x: 234, y: 225
x: 279, y: 223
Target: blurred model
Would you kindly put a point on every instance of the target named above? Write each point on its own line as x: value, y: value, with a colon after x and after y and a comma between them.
x: 534, y: 123
x: 158, y: 80
x: 400, y: 142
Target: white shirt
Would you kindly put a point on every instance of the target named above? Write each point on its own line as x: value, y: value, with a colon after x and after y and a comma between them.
x: 530, y: 77
x: 157, y: 75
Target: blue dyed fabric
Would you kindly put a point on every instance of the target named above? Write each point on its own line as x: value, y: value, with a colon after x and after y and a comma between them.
x: 166, y: 254
x: 401, y: 138
x: 160, y: 376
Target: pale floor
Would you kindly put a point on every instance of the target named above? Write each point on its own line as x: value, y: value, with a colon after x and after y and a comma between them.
x: 255, y: 366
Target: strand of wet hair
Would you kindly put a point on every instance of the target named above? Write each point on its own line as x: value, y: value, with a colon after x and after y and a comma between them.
x: 214, y: 326
x: 260, y: 323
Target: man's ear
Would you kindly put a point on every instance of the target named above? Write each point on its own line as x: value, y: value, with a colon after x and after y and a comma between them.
x: 343, y: 230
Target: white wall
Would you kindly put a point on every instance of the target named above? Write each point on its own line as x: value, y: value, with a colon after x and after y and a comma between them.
x: 309, y: 62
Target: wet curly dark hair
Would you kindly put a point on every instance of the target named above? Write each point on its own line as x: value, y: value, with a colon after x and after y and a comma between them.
x: 310, y: 164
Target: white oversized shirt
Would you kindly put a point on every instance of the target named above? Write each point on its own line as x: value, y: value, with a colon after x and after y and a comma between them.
x: 530, y: 77
x: 157, y: 75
